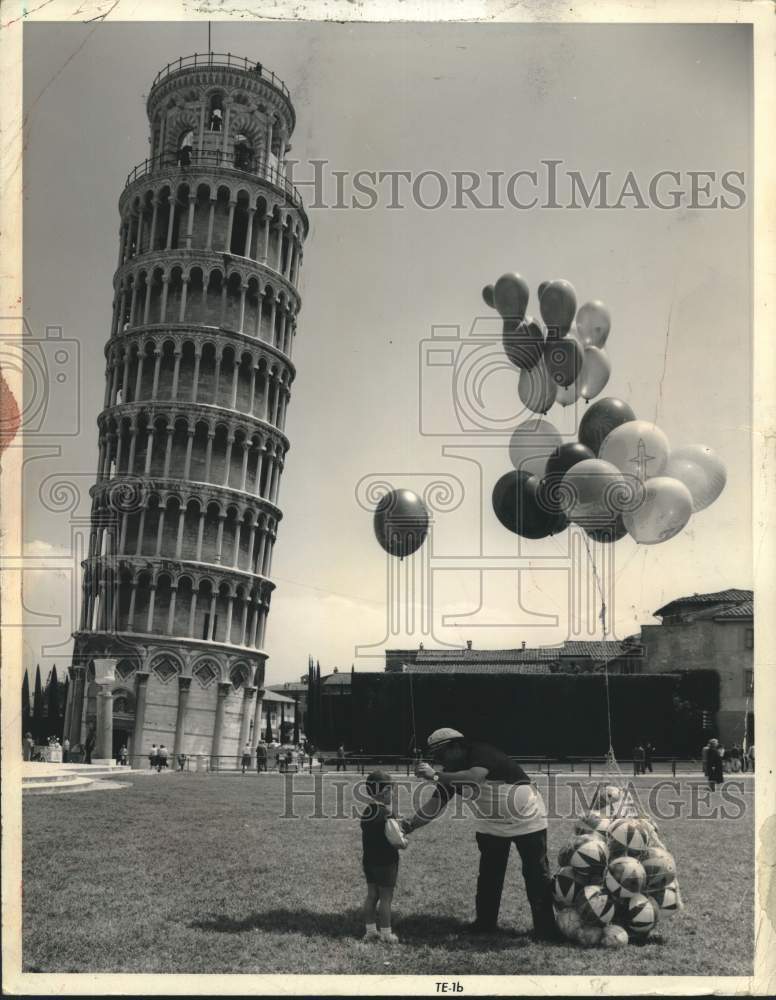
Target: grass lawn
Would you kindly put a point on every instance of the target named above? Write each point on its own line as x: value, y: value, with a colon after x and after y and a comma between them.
x: 202, y: 874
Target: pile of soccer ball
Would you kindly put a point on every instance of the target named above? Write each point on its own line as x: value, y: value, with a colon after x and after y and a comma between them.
x: 616, y: 876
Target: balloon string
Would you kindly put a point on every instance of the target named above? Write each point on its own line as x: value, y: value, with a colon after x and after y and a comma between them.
x: 599, y: 587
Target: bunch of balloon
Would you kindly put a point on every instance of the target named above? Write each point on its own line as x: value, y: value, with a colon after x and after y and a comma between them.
x: 559, y: 360
x: 632, y: 477
x: 621, y: 477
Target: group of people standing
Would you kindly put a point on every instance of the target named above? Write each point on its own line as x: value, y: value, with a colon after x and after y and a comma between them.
x: 715, y: 760
x: 642, y: 758
x: 158, y: 757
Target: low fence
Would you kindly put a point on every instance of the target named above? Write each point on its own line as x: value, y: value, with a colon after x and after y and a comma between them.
x: 362, y: 764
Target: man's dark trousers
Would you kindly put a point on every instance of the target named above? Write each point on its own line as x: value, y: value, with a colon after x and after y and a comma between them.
x: 494, y: 855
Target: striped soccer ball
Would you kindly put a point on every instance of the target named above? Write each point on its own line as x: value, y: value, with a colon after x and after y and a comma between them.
x: 588, y: 860
x: 595, y: 906
x: 592, y: 822
x: 624, y: 877
x: 628, y: 836
x: 614, y: 936
x: 564, y: 887
x: 607, y: 796
x: 565, y: 853
x: 668, y: 899
x: 660, y: 867
x: 639, y: 915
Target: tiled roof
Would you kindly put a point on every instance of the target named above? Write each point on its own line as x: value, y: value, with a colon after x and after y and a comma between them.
x: 289, y: 687
x: 477, y: 668
x: 597, y: 650
x: 745, y: 610
x: 342, y: 677
x: 270, y: 695
x: 538, y: 654
x: 541, y: 653
x: 698, y: 600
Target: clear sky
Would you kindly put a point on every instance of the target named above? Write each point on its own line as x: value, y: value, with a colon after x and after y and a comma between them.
x: 414, y: 98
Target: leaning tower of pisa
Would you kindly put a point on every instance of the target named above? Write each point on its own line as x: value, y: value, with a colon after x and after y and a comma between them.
x: 176, y: 585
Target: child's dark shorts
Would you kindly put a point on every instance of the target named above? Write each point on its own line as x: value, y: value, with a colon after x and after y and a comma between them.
x: 382, y: 875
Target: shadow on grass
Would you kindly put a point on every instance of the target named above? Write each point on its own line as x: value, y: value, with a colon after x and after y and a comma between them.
x: 421, y: 929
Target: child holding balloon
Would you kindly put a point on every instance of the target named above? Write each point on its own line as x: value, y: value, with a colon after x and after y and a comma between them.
x: 381, y: 840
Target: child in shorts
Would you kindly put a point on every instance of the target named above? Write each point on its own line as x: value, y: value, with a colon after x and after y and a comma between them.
x: 381, y: 858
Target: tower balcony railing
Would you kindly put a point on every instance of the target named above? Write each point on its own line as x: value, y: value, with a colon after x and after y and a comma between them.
x: 225, y: 59
x: 235, y: 159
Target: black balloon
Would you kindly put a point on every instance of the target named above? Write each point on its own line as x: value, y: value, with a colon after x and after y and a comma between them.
x: 564, y: 360
x: 563, y: 458
x: 601, y: 419
x: 610, y: 532
x: 519, y: 507
x: 523, y: 342
x: 401, y: 523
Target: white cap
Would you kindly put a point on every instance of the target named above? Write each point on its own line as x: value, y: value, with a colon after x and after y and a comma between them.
x: 440, y: 736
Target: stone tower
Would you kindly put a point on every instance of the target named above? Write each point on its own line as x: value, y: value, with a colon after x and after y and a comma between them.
x: 176, y: 586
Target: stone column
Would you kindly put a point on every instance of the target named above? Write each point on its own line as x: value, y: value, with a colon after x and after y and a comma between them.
x: 184, y: 686
x: 104, y: 745
x: 141, y: 691
x: 223, y: 690
x: 77, y: 698
x: 257, y: 734
x: 245, y: 721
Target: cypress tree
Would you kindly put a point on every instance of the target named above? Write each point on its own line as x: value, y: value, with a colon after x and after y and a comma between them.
x: 52, y: 701
x: 309, y: 722
x: 65, y: 689
x: 319, y: 734
x: 26, y: 716
x: 37, y: 708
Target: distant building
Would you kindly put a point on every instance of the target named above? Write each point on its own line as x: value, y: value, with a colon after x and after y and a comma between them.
x: 621, y: 657
x: 337, y: 683
x: 710, y: 631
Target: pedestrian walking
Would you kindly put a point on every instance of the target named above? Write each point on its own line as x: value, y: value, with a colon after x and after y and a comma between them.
x: 153, y: 756
x: 341, y: 762
x: 638, y: 759
x: 246, y: 756
x: 649, y: 751
x: 714, y: 765
x: 65, y: 750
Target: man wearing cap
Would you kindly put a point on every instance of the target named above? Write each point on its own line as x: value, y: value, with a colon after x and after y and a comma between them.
x: 508, y: 809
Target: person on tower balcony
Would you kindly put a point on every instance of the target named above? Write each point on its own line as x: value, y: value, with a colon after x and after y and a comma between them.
x: 216, y: 120
x: 508, y: 810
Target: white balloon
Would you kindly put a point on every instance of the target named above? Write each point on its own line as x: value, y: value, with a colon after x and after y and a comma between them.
x: 701, y: 471
x: 638, y: 448
x: 664, y: 511
x: 532, y: 443
x: 596, y: 369
x: 593, y: 488
x: 594, y: 323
